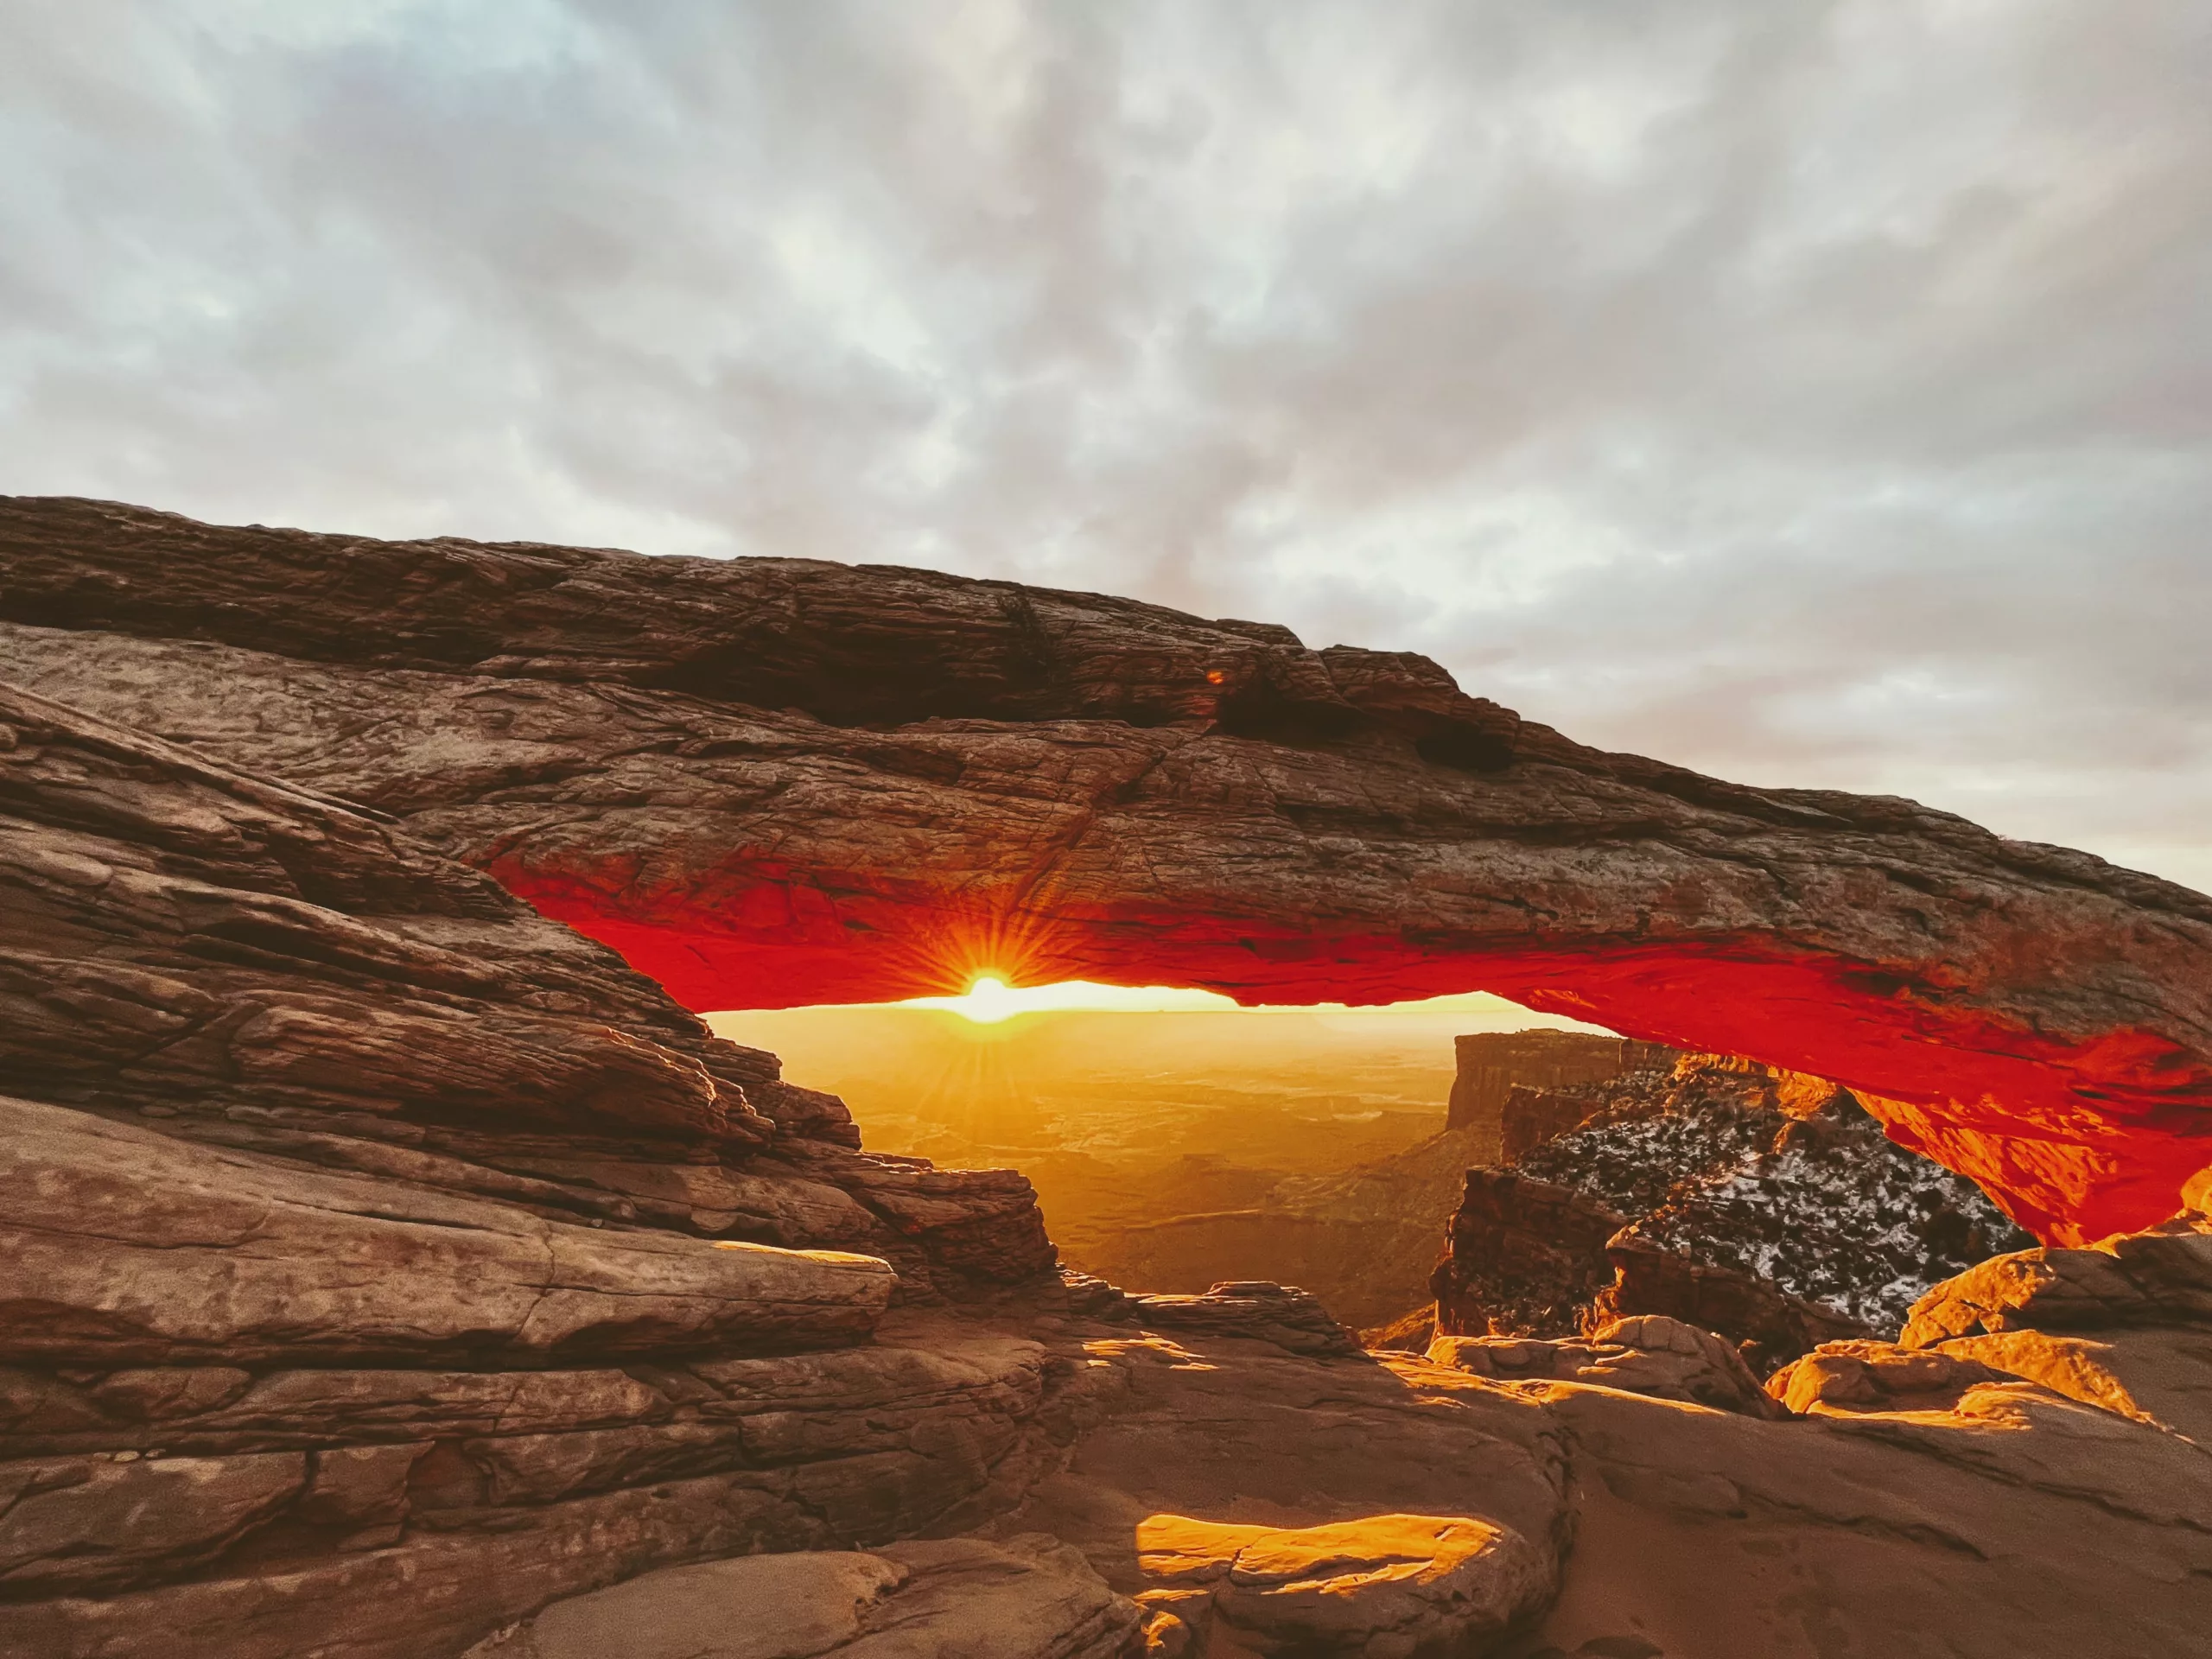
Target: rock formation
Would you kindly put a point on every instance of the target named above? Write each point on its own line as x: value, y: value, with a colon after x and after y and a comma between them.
x: 1767, y: 1206
x: 1029, y: 1598
x: 771, y: 781
x: 393, y: 1273
x: 1650, y: 1354
x: 1492, y: 1064
x: 385, y: 1260
x: 1997, y: 1519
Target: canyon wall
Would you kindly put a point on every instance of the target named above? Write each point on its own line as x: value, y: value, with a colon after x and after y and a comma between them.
x: 1491, y: 1064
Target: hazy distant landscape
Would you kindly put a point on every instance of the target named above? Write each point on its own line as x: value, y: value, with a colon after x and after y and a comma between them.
x: 1122, y: 1119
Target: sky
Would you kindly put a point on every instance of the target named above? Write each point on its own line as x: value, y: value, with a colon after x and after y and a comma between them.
x: 1814, y: 394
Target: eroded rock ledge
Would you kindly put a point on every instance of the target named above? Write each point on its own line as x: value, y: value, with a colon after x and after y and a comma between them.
x: 771, y: 781
x: 385, y: 1261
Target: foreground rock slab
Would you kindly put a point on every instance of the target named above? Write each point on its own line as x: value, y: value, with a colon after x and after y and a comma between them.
x: 385, y: 1261
x: 1650, y: 1354
x: 1987, y: 1518
x: 1385, y: 1586
x: 1023, y: 1598
x: 166, y: 1253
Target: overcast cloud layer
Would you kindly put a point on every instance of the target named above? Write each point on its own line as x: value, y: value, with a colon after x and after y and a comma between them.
x: 1814, y: 394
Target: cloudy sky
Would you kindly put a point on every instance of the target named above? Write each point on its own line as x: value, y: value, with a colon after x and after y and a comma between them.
x: 1811, y: 393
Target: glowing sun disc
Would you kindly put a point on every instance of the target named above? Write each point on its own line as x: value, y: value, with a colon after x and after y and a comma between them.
x: 990, y: 999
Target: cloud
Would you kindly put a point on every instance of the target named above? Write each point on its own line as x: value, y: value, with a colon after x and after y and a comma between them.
x: 1810, y: 393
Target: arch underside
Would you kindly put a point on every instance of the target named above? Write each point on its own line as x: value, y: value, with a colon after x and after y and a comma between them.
x: 769, y: 784
x: 2076, y: 1139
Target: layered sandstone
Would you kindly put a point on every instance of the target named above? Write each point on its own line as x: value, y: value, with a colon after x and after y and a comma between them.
x: 385, y: 1261
x: 771, y: 781
x: 1767, y: 1206
x: 1638, y: 1496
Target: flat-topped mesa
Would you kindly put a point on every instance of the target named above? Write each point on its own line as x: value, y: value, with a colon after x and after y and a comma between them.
x: 770, y: 782
x: 1492, y: 1064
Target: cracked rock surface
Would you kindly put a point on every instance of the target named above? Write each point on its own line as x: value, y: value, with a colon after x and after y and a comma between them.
x: 1026, y: 1597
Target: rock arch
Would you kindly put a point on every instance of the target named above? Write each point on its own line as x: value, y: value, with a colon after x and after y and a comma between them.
x: 770, y: 782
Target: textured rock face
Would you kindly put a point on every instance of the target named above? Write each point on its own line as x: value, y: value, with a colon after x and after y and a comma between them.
x: 769, y: 782
x: 1028, y: 1598
x: 1397, y: 1587
x: 1994, y: 1520
x: 1766, y: 1206
x: 243, y: 965
x: 240, y: 1259
x: 2149, y: 1279
x: 1522, y: 1257
x: 1492, y: 1064
x: 1650, y: 1354
x: 1858, y: 1377
x: 384, y: 1260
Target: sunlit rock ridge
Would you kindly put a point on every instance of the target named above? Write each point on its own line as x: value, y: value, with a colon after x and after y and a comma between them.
x: 769, y: 782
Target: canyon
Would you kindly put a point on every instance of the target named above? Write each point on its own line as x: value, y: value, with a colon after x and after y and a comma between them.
x: 399, y: 1267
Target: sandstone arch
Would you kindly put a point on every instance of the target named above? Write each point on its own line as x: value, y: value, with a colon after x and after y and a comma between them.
x: 770, y: 782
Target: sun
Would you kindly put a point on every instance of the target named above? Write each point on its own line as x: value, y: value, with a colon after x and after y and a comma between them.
x: 991, y: 999
x: 988, y: 1000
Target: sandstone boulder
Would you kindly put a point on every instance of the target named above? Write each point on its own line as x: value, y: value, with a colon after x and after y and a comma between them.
x: 2160, y: 1375
x: 2126, y: 1325
x: 1384, y: 1587
x: 1864, y: 1376
x: 2009, y: 1522
x: 1257, y: 1309
x: 1650, y: 1354
x: 2157, y: 1278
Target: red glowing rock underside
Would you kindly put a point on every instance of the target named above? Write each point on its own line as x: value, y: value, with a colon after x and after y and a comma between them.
x: 2076, y: 1139
x: 771, y: 783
